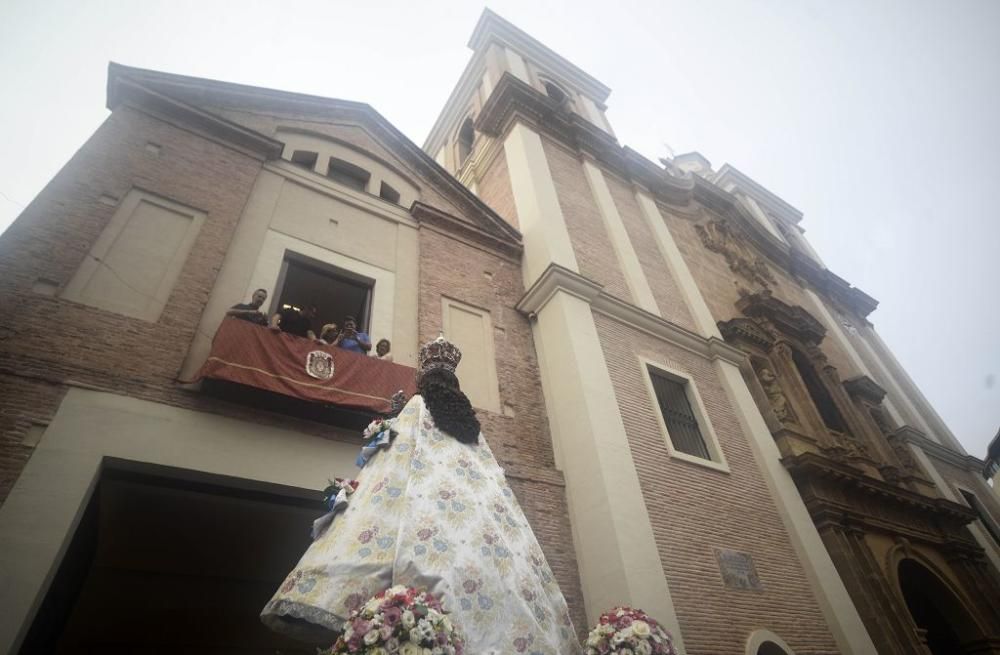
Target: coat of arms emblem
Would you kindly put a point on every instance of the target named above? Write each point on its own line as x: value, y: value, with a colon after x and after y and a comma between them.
x: 319, y: 365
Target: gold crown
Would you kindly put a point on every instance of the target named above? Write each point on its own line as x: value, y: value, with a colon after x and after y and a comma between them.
x: 439, y: 353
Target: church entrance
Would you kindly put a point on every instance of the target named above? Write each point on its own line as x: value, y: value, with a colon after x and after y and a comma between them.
x: 172, y: 561
x: 944, y: 624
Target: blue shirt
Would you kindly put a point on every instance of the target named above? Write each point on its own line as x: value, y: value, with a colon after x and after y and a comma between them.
x: 354, y: 344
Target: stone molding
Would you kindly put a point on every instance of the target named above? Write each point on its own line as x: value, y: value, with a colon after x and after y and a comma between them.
x: 863, y: 386
x: 914, y: 436
x: 425, y: 214
x: 558, y: 278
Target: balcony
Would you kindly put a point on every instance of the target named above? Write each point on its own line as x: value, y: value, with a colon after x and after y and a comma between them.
x: 276, y: 371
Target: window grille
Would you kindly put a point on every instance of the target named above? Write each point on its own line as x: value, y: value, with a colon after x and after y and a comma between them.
x: 682, y: 426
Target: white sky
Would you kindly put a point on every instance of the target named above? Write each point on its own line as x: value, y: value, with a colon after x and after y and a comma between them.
x: 878, y: 119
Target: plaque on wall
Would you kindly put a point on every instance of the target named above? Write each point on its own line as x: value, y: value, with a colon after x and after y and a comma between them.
x: 738, y: 570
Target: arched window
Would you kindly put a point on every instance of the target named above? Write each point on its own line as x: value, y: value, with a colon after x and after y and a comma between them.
x: 818, y: 392
x: 466, y: 135
x: 554, y: 92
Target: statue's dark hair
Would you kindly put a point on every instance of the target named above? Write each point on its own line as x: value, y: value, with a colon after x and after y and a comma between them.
x: 449, y: 407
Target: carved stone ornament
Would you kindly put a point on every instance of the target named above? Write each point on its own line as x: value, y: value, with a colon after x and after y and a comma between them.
x: 718, y: 237
x: 779, y: 403
x: 788, y: 319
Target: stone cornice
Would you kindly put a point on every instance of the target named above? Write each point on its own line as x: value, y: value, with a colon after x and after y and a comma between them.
x: 814, y: 468
x: 865, y: 387
x: 943, y: 453
x: 428, y: 215
x: 124, y: 91
x: 558, y: 278
x: 789, y: 319
x: 768, y: 200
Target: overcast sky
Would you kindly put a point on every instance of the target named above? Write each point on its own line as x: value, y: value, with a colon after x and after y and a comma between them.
x: 879, y: 120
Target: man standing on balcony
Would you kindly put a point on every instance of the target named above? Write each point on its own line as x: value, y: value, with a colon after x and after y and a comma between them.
x: 295, y: 321
x: 250, y: 311
x: 351, y: 339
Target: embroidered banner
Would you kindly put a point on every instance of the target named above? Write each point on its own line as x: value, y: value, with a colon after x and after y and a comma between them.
x: 254, y: 355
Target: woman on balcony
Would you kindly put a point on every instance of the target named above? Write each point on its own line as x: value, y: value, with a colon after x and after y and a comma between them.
x: 432, y: 510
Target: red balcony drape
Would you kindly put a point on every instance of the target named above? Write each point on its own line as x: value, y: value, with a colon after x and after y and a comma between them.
x: 254, y: 355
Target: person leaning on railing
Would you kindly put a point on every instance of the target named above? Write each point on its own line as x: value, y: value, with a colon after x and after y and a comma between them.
x: 350, y: 339
x: 295, y: 321
x: 382, y: 350
x: 250, y: 311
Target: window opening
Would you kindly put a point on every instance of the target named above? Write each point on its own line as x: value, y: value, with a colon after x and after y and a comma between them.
x: 336, y: 293
x: 305, y: 158
x: 386, y: 192
x: 466, y: 136
x: 682, y: 425
x: 555, y: 92
x: 984, y: 516
x: 818, y: 392
x: 348, y: 174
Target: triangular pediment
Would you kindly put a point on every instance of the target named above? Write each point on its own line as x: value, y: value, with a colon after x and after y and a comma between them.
x: 237, y: 110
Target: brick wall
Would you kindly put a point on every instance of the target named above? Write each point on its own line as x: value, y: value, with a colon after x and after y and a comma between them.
x: 665, y: 290
x: 495, y: 190
x: 694, y: 509
x: 720, y: 286
x: 591, y: 244
x: 520, y: 439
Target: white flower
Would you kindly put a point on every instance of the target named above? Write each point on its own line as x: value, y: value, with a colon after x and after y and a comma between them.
x: 643, y: 648
x: 371, y: 637
x: 408, y: 620
x: 446, y: 624
x: 378, y: 650
x: 410, y: 648
x: 626, y: 651
x: 641, y: 629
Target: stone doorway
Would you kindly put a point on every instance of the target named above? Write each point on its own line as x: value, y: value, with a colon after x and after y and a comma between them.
x: 943, y: 623
x: 168, y: 560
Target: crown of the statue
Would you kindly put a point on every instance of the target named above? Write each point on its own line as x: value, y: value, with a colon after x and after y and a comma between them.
x: 439, y: 353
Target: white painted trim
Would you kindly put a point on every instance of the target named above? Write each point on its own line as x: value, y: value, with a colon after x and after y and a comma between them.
x: 708, y: 436
x: 46, y: 503
x: 695, y: 302
x: 557, y: 279
x: 760, y: 637
x: 272, y: 254
x: 516, y: 65
x: 617, y: 555
x: 539, y: 214
x: 627, y: 257
x: 979, y: 532
x: 834, y: 327
x: 841, y: 615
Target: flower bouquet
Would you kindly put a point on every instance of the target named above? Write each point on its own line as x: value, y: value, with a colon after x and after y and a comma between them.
x: 377, y: 435
x: 399, y: 620
x: 333, y: 490
x: 627, y: 631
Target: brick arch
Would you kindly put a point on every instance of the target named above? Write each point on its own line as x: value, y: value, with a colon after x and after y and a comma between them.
x: 765, y: 642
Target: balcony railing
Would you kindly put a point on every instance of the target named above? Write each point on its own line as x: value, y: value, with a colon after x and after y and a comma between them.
x: 277, y: 362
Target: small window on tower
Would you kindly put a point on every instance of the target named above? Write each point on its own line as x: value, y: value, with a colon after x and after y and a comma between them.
x: 386, y: 192
x: 347, y: 173
x: 555, y: 92
x: 305, y: 158
x: 466, y: 136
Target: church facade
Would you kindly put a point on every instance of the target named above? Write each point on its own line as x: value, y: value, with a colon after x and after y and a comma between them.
x: 696, y: 415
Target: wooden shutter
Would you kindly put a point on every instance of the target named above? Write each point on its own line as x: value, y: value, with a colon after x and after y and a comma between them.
x: 682, y: 426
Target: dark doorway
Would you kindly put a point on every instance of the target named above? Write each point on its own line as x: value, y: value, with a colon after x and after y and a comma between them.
x: 335, y: 292
x: 946, y: 625
x: 172, y: 561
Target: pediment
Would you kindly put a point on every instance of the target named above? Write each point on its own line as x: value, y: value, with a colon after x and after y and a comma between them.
x: 788, y: 319
x: 234, y: 105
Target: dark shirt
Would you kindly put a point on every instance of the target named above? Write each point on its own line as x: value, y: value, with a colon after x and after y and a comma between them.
x: 295, y: 323
x: 257, y: 317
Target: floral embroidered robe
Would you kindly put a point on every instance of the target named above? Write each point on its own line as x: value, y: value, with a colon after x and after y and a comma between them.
x: 434, y: 513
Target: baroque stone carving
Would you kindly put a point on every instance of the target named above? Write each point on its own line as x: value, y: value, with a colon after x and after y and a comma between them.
x: 779, y: 403
x: 718, y: 237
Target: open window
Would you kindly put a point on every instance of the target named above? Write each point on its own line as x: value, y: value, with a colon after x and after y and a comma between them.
x: 305, y: 158
x: 336, y: 292
x: 466, y: 136
x: 555, y: 92
x: 347, y: 173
